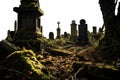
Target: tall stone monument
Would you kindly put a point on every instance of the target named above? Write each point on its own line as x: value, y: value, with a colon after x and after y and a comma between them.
x: 73, y: 31
x: 58, y: 31
x: 29, y: 27
x: 29, y: 14
x: 83, y: 33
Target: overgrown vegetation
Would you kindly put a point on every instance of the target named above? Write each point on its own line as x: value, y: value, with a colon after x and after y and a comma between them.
x: 61, y: 59
x: 25, y: 62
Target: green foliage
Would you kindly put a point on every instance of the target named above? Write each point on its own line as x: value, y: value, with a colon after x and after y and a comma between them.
x: 26, y: 62
x: 52, y: 43
x: 43, y: 39
x: 60, y: 42
x: 96, y: 39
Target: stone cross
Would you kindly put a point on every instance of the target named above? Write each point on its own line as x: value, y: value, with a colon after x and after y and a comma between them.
x: 58, y: 30
x: 58, y: 23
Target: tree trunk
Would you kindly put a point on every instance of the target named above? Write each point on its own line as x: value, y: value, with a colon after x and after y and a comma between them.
x: 111, y: 22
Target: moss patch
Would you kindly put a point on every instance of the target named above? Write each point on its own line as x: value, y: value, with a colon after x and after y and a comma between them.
x: 26, y: 62
x: 59, y: 52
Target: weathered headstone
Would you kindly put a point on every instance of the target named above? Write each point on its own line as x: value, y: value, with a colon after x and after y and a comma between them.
x: 51, y: 36
x: 73, y: 31
x: 94, y: 30
x: 58, y: 31
x: 83, y: 32
x: 65, y: 35
x: 94, y: 36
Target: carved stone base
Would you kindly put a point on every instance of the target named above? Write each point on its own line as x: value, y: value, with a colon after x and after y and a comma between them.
x: 35, y: 45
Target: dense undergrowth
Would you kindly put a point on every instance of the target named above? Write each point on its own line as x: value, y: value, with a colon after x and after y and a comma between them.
x: 62, y: 60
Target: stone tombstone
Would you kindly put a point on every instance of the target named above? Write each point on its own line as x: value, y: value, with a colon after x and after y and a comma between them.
x: 94, y: 34
x: 29, y: 14
x: 83, y: 32
x: 73, y: 31
x: 58, y: 31
x: 51, y: 36
x: 65, y: 35
x: 94, y: 30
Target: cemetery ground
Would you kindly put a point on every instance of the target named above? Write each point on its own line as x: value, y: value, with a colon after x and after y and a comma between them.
x: 62, y: 61
x: 26, y: 55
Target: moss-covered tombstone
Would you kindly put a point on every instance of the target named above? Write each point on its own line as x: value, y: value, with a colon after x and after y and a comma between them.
x: 25, y: 61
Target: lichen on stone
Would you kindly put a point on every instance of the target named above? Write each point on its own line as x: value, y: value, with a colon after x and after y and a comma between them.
x: 26, y: 62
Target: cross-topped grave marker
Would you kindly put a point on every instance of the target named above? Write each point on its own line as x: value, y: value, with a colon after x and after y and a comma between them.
x: 58, y: 24
x: 58, y: 30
